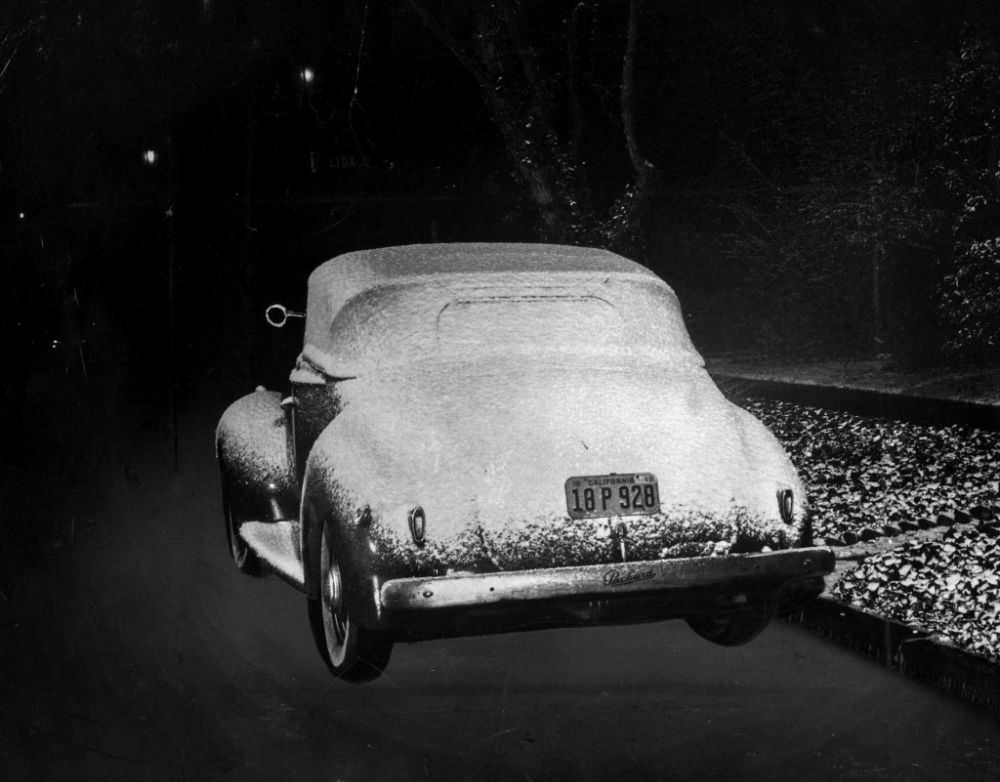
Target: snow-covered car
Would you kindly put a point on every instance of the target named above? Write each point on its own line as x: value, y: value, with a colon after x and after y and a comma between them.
x: 489, y: 437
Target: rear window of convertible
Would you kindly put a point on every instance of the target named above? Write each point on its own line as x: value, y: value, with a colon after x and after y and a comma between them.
x: 398, y: 324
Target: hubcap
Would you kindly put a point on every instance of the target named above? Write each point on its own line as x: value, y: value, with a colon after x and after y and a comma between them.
x: 335, y: 621
x: 334, y: 604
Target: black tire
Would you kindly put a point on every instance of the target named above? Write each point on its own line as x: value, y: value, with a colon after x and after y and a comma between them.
x: 244, y: 557
x: 735, y: 627
x: 351, y: 651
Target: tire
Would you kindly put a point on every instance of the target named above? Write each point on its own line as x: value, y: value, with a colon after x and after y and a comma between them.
x: 733, y: 628
x: 351, y: 651
x: 244, y: 557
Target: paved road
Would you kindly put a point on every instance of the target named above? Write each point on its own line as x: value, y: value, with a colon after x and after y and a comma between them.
x: 142, y: 654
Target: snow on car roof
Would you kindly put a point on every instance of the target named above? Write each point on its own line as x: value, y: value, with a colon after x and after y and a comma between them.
x: 345, y: 276
x: 360, y: 302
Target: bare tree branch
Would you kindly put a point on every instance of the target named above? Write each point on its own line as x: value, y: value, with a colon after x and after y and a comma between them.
x: 11, y: 42
x: 461, y: 53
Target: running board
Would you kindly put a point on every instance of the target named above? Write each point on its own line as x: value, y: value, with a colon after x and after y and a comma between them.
x: 277, y: 545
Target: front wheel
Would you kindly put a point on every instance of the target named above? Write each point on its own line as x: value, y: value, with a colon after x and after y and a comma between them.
x: 244, y: 557
x: 735, y: 627
x: 351, y: 652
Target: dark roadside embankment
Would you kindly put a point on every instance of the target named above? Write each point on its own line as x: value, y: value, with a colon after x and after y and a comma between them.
x: 871, y: 558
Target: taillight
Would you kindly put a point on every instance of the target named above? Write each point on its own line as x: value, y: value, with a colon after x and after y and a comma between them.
x: 786, y: 505
x: 418, y: 525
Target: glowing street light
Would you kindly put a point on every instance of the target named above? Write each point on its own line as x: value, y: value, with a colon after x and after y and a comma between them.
x: 150, y: 157
x: 307, y: 76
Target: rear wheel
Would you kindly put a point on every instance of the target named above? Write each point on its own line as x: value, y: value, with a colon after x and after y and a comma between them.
x: 735, y: 627
x: 244, y: 557
x: 352, y: 652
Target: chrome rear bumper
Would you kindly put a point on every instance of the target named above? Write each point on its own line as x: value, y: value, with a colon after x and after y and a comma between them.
x: 602, y: 581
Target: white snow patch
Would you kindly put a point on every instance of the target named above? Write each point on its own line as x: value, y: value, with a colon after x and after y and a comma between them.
x: 277, y: 543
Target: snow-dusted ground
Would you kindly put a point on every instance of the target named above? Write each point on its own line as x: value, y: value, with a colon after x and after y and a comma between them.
x: 864, y: 473
x: 947, y: 585
x: 868, y: 472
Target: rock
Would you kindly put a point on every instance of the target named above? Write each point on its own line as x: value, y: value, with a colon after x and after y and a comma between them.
x: 982, y: 513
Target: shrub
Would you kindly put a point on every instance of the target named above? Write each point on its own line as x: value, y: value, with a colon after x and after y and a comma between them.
x: 969, y: 308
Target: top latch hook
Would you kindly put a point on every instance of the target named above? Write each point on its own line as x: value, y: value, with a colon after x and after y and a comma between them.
x: 278, y: 315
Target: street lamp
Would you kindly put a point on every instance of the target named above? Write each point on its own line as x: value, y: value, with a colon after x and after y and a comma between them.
x: 307, y: 76
x: 150, y: 157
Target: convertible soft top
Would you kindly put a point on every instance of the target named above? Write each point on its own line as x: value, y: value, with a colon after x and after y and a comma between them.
x: 381, y: 307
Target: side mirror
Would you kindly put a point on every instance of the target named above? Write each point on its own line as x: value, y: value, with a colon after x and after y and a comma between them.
x: 278, y: 315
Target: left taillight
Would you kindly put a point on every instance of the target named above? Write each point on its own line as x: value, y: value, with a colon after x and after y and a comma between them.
x: 417, y: 521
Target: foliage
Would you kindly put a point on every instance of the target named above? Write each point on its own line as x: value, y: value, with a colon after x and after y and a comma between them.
x: 834, y: 236
x: 863, y: 471
x: 948, y: 587
x: 970, y: 301
x: 967, y: 119
x: 829, y: 265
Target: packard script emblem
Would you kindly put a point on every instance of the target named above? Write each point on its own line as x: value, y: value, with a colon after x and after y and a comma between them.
x: 620, y: 576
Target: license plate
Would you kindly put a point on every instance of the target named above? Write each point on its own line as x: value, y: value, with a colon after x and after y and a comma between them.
x: 612, y: 495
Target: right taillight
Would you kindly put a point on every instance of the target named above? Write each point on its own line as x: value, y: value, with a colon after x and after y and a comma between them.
x: 786, y: 505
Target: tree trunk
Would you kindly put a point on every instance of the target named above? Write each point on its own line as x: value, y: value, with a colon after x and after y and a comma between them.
x: 634, y: 204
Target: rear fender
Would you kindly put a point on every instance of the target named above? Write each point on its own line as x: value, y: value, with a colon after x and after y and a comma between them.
x: 325, y: 499
x: 255, y: 455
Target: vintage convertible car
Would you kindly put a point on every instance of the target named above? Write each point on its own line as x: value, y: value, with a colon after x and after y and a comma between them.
x: 491, y: 437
